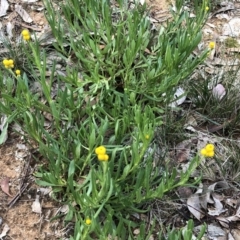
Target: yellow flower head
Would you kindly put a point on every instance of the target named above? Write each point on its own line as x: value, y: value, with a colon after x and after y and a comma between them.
x: 8, y: 63
x: 18, y: 72
x: 100, y: 150
x: 88, y: 221
x: 208, y: 151
x: 211, y: 45
x: 103, y: 157
x: 207, y: 8
x: 26, y: 34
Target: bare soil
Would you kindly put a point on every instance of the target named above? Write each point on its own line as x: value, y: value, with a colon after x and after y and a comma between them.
x: 22, y: 222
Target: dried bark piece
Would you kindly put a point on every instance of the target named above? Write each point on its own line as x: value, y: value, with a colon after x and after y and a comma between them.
x: 5, y: 186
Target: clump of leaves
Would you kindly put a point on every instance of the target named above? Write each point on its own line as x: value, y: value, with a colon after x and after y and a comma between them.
x: 231, y: 42
x: 115, y: 47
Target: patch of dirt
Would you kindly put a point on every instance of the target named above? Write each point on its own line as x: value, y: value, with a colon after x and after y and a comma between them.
x: 159, y: 5
x: 160, y: 9
x: 22, y: 222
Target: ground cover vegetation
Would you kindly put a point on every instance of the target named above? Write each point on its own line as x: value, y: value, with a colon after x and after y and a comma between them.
x: 100, y: 150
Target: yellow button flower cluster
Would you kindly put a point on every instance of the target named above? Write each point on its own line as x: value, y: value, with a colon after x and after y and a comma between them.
x: 26, y: 34
x: 8, y: 63
x: 101, y: 153
x: 208, y: 151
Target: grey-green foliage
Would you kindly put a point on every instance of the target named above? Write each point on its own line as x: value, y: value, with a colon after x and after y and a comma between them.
x: 109, y: 45
x: 185, y: 233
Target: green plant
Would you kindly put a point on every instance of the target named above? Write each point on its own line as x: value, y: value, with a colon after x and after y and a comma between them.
x: 186, y: 233
x: 231, y: 43
x: 117, y: 40
x: 113, y: 94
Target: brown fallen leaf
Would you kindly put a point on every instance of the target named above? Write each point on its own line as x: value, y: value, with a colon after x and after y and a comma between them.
x: 217, y: 210
x: 223, y: 221
x: 184, y: 193
x: 183, y: 151
x: 5, y: 186
x: 25, y: 16
x: 182, y: 155
x: 218, y: 206
x: 194, y: 207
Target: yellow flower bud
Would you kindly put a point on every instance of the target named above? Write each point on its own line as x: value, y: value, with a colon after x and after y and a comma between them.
x: 103, y: 157
x: 18, y: 72
x: 211, y: 45
x: 100, y: 150
x: 203, y: 152
x: 88, y: 221
x: 25, y: 32
x: 209, y: 147
x: 106, y: 157
x: 210, y: 154
x: 5, y: 62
